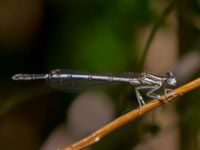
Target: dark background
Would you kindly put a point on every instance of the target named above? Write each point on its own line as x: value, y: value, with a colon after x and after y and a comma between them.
x: 103, y: 36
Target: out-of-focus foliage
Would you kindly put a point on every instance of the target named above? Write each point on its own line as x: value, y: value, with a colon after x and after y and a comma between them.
x: 95, y: 35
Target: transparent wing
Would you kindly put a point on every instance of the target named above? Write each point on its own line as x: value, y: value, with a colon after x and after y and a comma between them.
x: 77, y: 85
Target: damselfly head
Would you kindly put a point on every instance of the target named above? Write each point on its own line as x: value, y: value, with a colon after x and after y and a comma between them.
x: 170, y: 79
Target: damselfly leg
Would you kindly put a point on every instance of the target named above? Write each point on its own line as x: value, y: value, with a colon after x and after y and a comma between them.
x: 139, y: 98
x: 150, y: 93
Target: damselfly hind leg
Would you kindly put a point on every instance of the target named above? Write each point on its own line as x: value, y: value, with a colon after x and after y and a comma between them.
x: 139, y: 97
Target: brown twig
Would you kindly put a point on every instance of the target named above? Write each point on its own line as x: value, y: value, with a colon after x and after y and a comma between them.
x: 99, y: 134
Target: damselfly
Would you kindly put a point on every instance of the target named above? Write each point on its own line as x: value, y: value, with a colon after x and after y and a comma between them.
x: 76, y: 80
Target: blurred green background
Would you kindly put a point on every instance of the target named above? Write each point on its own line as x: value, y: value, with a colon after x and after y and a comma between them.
x: 102, y: 36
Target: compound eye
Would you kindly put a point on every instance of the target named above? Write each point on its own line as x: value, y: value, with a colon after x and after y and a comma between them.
x: 171, y: 81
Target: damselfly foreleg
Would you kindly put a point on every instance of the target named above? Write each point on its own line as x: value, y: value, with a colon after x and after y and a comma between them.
x: 167, y: 90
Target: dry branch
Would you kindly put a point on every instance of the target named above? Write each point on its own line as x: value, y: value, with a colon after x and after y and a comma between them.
x: 99, y: 134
